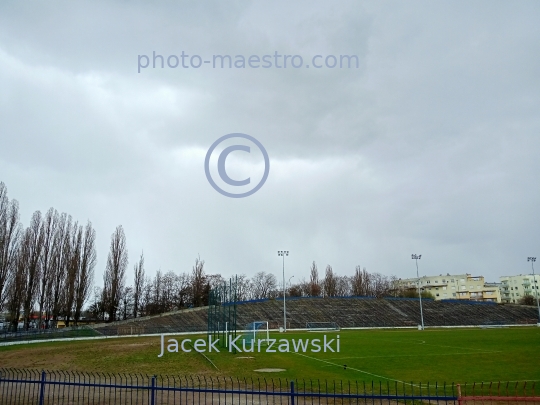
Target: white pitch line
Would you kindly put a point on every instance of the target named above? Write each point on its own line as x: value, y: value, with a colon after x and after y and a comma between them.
x: 458, y: 347
x: 355, y: 369
x: 408, y: 355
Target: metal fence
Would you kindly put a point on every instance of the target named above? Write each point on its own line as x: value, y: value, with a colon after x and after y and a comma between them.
x: 57, y: 387
x: 53, y: 333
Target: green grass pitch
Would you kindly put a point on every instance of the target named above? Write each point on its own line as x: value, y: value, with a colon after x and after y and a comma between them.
x: 396, y: 356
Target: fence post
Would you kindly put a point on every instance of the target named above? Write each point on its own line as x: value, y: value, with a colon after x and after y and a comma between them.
x: 459, y: 393
x: 42, y: 388
x: 292, y: 392
x: 153, y: 391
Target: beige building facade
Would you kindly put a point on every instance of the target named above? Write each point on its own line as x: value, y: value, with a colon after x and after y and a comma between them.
x: 513, y: 288
x: 457, y: 287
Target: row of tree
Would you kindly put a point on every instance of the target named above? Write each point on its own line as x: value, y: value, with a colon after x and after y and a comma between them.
x: 173, y: 291
x: 47, y: 267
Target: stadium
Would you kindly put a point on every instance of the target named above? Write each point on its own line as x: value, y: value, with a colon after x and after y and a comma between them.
x: 383, y: 353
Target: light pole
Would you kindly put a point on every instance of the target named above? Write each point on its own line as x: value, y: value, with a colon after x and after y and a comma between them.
x: 289, y: 282
x: 284, y: 253
x: 532, y: 260
x: 416, y: 258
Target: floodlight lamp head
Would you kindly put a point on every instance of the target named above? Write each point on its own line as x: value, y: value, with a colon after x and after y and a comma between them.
x: 531, y: 259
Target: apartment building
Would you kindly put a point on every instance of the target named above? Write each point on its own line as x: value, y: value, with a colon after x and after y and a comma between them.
x: 513, y: 288
x: 457, y: 286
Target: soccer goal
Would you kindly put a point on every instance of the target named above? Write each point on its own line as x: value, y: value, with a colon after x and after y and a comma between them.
x: 321, y: 326
x: 256, y: 331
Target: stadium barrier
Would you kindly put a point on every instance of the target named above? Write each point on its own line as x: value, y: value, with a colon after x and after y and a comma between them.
x: 47, y: 387
x: 43, y: 334
x: 44, y: 387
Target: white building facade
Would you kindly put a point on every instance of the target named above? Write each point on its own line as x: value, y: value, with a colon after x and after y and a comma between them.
x: 457, y: 287
x: 513, y: 288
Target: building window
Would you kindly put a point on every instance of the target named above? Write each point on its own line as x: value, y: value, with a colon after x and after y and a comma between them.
x: 444, y: 288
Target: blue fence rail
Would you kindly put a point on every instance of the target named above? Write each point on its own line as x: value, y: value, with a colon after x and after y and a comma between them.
x: 53, y: 333
x: 55, y: 387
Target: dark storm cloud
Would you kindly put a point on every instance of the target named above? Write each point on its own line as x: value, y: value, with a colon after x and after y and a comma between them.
x: 429, y: 146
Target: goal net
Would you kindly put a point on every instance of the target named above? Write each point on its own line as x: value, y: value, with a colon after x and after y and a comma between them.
x: 316, y: 326
x: 256, y: 331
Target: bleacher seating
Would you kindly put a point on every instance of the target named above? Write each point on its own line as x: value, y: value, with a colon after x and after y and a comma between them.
x: 346, y: 312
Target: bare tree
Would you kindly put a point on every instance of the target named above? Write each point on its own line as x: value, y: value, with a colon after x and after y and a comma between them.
x: 74, y: 263
x: 59, y: 264
x: 139, y: 285
x: 168, y: 291
x: 97, y: 309
x: 527, y: 300
x: 49, y: 228
x: 126, y: 303
x: 198, y: 283
x: 34, y: 238
x: 263, y: 284
x: 314, y: 286
x: 243, y: 288
x: 115, y: 273
x: 296, y: 290
x: 360, y: 282
x: 330, y: 282
x: 380, y: 285
x: 183, y: 291
x: 10, y: 233
x: 85, y: 275
x: 343, y: 286
x: 17, y: 282
x: 146, y: 297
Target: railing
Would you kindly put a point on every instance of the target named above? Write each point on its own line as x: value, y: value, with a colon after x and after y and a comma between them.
x: 41, y: 387
x: 57, y: 387
x: 52, y: 333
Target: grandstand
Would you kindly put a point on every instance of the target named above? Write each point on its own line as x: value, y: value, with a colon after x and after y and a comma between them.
x: 347, y: 312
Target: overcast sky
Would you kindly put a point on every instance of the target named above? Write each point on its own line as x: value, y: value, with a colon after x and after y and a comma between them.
x: 430, y: 146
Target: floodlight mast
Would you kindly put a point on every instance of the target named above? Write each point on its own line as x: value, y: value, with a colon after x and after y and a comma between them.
x: 532, y: 260
x: 284, y: 253
x: 416, y: 258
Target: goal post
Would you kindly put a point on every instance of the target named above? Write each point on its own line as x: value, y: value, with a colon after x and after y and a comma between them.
x: 256, y: 331
x: 321, y: 326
